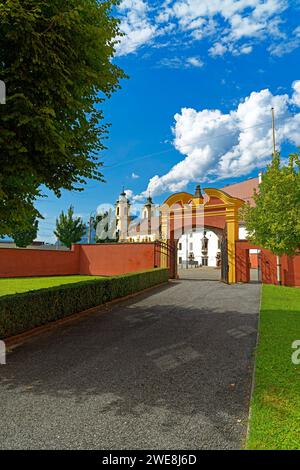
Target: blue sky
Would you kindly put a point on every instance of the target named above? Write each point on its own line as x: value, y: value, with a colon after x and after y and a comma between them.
x: 196, y: 108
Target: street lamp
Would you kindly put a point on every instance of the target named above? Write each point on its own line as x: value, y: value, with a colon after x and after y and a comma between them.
x: 204, y: 249
x: 90, y: 223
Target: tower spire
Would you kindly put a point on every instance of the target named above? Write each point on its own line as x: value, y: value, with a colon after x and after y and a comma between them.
x: 198, y: 198
x: 198, y: 191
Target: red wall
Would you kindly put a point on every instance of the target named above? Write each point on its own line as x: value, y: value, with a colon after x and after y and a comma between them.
x: 291, y: 270
x: 102, y: 259
x: 111, y: 259
x: 24, y: 263
x: 290, y: 266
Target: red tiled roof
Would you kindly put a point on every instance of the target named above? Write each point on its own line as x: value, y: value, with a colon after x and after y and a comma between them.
x: 243, y: 190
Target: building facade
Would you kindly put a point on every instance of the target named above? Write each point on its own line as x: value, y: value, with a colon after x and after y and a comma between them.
x: 195, y: 247
x: 199, y: 248
x: 137, y: 230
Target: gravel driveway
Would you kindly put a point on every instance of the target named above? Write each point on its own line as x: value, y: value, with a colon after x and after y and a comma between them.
x: 168, y: 369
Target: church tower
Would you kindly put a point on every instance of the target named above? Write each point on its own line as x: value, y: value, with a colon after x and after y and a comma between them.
x: 148, y: 214
x: 122, y: 216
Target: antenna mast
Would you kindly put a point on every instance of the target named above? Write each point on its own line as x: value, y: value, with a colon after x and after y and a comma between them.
x: 273, y: 129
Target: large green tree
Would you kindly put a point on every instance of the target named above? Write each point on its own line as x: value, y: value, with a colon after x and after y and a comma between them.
x: 274, y: 221
x: 26, y: 234
x: 69, y: 229
x: 56, y: 62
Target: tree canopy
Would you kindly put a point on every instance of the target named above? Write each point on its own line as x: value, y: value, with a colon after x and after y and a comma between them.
x: 274, y: 222
x: 56, y: 62
x: 26, y: 234
x: 69, y: 229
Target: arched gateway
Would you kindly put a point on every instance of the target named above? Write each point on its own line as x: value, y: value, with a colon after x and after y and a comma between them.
x: 216, y: 210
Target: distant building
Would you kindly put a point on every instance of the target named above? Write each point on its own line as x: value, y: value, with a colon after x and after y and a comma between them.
x: 145, y: 229
x: 200, y: 247
x: 122, y: 216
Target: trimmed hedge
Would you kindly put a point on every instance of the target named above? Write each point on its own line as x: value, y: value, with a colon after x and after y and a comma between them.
x: 21, y: 312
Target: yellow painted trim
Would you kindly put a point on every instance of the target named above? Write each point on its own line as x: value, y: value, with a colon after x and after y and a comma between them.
x: 214, y: 206
x: 176, y: 198
x: 215, y: 213
x: 232, y: 236
x: 177, y: 216
x: 224, y: 197
x: 197, y: 201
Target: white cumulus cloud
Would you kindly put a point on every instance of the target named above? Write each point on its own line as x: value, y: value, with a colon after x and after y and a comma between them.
x: 230, y: 26
x: 129, y: 193
x: 194, y: 62
x: 296, y: 94
x: 181, y: 62
x: 136, y: 26
x: 218, y: 145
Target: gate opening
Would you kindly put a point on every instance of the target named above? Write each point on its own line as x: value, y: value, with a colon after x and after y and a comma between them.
x: 254, y: 263
x: 199, y: 254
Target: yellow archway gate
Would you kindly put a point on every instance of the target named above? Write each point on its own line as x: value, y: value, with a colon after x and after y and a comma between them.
x: 219, y: 209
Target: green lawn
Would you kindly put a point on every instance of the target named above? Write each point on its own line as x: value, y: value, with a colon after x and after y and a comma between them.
x: 17, y: 285
x: 275, y: 410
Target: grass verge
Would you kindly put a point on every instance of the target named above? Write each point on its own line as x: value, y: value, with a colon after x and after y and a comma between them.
x: 275, y: 406
x: 18, y: 285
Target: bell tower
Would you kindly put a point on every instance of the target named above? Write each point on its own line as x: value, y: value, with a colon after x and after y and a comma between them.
x: 148, y: 213
x: 122, y: 216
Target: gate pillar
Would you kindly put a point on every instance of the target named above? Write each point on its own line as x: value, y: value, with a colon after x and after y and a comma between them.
x: 231, y: 206
x: 232, y: 224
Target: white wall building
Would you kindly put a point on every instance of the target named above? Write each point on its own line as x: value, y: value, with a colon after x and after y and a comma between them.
x: 194, y: 249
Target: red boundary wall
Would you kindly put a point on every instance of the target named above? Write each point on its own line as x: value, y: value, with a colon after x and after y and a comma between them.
x: 16, y: 262
x: 102, y: 259
x: 290, y: 265
x: 113, y: 259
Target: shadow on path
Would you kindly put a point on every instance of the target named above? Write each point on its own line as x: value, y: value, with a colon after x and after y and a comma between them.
x: 169, y: 369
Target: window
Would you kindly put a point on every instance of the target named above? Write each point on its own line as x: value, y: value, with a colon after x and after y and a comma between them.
x: 180, y: 260
x: 180, y: 246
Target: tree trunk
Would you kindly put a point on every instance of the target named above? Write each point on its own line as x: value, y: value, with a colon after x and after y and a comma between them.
x: 278, y: 265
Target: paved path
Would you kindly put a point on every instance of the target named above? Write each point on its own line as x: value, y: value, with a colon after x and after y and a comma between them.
x: 203, y: 273
x: 169, y: 369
